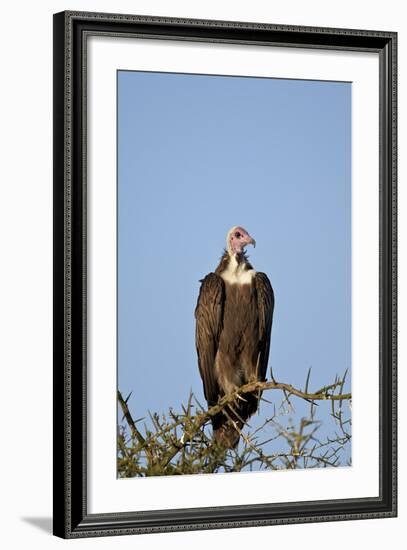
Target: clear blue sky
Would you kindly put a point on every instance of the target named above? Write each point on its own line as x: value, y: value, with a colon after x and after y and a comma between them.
x: 198, y: 154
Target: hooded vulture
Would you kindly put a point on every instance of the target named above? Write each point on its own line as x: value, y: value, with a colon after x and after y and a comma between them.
x: 233, y: 316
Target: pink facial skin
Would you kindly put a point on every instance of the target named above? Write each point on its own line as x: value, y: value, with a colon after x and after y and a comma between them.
x: 238, y: 239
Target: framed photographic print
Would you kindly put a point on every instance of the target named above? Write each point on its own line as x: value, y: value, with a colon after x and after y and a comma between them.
x: 224, y: 274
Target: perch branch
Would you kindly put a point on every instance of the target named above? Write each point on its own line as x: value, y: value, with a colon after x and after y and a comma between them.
x: 195, y: 424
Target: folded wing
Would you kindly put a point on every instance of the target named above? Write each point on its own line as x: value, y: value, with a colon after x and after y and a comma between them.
x: 209, y: 321
x: 265, y: 300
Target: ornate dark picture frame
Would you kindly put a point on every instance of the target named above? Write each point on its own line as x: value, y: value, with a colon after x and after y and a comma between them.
x: 71, y: 517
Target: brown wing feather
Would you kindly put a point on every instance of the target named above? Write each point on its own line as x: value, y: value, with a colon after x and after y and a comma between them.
x: 209, y: 318
x: 265, y: 300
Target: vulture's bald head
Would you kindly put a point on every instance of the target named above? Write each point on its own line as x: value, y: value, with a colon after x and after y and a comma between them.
x: 237, y: 238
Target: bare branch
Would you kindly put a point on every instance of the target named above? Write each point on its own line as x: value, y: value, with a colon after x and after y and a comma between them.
x: 181, y: 442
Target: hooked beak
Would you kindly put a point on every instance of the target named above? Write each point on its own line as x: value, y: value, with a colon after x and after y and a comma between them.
x: 250, y: 240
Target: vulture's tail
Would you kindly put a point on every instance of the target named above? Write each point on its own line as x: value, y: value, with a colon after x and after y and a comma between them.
x: 227, y: 428
x: 227, y: 435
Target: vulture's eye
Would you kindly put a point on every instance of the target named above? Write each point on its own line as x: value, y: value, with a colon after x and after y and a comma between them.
x: 237, y: 234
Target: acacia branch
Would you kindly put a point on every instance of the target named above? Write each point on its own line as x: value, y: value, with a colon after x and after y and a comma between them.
x: 251, y: 387
x: 126, y: 413
x: 320, y: 395
x: 192, y: 425
x: 132, y: 425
